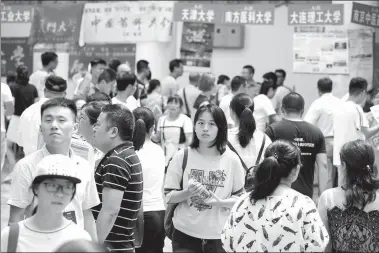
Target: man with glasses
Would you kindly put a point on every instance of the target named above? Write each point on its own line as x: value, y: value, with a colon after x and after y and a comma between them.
x: 57, y: 126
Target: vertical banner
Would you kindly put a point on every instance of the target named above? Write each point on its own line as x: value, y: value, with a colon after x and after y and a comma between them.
x: 366, y: 15
x: 15, y: 52
x: 197, y: 44
x: 321, y: 14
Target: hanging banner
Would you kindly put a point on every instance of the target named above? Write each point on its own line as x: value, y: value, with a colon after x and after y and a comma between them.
x: 15, y: 52
x: 16, y: 21
x: 57, y: 23
x: 321, y: 52
x: 361, y: 54
x: 253, y: 14
x: 197, y: 44
x: 321, y: 14
x: 363, y: 14
x: 126, y: 22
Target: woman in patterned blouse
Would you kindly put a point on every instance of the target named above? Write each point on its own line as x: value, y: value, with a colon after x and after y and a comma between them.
x: 274, y: 217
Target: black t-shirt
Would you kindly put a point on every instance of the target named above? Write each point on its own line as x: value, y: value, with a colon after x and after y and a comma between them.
x: 311, y: 142
x: 24, y: 96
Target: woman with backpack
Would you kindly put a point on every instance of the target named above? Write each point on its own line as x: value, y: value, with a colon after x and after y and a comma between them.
x: 202, y: 183
x: 244, y: 139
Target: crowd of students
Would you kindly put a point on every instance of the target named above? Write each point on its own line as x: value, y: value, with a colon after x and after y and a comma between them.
x: 223, y: 165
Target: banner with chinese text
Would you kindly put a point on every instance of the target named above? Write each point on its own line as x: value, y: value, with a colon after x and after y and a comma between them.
x: 323, y: 51
x: 363, y: 14
x: 57, y: 23
x: 321, y: 14
x: 15, y: 52
x: 126, y: 22
x: 197, y: 44
x: 251, y: 14
x: 16, y: 21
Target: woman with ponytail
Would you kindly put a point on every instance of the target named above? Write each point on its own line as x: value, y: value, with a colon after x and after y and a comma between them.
x: 351, y: 212
x: 274, y: 217
x: 153, y: 166
x: 244, y: 139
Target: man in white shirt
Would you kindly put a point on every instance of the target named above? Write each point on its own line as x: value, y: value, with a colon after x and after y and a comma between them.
x: 49, y: 64
x: 281, y: 91
x: 7, y: 109
x: 57, y: 127
x: 350, y: 122
x: 169, y: 85
x: 190, y: 93
x: 320, y: 114
x: 126, y: 83
x: 238, y: 85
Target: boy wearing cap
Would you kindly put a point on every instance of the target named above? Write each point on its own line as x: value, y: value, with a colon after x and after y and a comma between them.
x: 57, y: 126
x: 55, y: 183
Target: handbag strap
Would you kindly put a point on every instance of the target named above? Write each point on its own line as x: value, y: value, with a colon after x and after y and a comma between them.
x: 235, y: 151
x: 184, y: 165
x: 261, y: 149
x: 13, y: 237
x: 185, y: 102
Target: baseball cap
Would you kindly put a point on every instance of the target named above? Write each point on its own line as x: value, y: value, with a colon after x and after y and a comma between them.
x: 55, y: 84
x: 58, y: 166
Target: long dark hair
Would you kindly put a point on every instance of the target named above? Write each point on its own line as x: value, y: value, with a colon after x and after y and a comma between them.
x: 144, y: 118
x: 361, y: 185
x: 153, y: 84
x: 220, y: 120
x: 281, y: 157
x: 22, y: 75
x: 243, y: 106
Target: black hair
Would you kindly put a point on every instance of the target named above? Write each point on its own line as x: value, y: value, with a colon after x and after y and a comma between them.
x: 113, y: 64
x: 141, y: 65
x: 250, y: 68
x: 153, y: 84
x: 59, y: 102
x: 124, y: 79
x: 266, y: 86
x: 293, y: 102
x: 368, y: 104
x: 280, y: 158
x: 108, y: 75
x: 96, y: 62
x: 148, y: 77
x: 176, y: 99
x: 237, y: 82
x: 361, y: 184
x: 120, y: 117
x: 98, y: 96
x: 222, y: 78
x: 11, y: 77
x: 22, y: 75
x: 93, y: 110
x: 145, y: 120
x: 281, y: 71
x: 325, y: 85
x: 175, y: 64
x: 357, y: 85
x: 271, y: 76
x: 221, y: 123
x: 243, y: 106
x: 48, y: 57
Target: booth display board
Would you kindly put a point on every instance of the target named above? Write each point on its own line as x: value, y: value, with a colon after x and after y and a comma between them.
x: 15, y: 52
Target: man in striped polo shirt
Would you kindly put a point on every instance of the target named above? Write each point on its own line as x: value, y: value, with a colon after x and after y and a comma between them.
x: 118, y: 179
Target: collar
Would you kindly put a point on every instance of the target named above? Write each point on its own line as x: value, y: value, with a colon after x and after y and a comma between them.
x: 45, y: 152
x: 326, y: 94
x: 126, y: 144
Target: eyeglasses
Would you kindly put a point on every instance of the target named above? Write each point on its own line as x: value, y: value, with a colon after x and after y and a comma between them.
x: 66, y: 189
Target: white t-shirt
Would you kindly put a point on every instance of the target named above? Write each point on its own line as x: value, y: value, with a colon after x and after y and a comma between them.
x: 30, y: 240
x: 38, y: 79
x: 153, y: 166
x: 223, y: 175
x: 225, y: 106
x: 25, y: 171
x: 280, y: 93
x: 262, y: 110
x: 6, y: 96
x: 169, y: 86
x: 249, y: 154
x: 170, y: 133
x: 131, y: 102
x: 348, y: 120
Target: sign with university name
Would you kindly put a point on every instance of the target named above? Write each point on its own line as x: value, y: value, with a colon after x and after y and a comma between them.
x: 16, y: 14
x: 363, y: 14
x: 321, y: 14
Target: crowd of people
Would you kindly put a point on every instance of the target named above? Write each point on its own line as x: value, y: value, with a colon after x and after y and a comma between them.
x: 216, y: 165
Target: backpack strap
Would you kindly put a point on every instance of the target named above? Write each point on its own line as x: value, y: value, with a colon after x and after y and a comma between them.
x: 184, y: 165
x: 235, y: 151
x: 186, y: 103
x: 14, y: 230
x: 261, y: 149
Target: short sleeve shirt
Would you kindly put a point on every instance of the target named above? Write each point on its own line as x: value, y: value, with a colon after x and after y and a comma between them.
x: 6, y: 96
x: 262, y: 110
x: 120, y: 169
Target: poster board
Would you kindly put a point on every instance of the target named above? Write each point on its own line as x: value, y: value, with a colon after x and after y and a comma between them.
x: 14, y: 52
x: 323, y: 51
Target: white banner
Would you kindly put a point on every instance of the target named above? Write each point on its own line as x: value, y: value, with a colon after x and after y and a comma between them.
x: 126, y: 22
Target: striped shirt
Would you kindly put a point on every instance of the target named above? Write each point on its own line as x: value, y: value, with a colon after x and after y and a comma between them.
x: 120, y: 169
